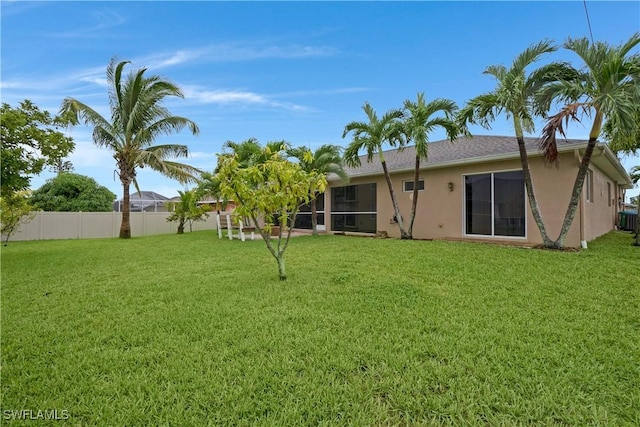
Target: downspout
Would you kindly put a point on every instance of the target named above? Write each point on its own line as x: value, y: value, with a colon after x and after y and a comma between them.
x: 583, y: 242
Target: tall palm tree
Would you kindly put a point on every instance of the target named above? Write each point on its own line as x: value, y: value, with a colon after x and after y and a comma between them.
x: 371, y: 136
x: 137, y: 119
x: 418, y: 124
x: 325, y: 160
x: 515, y: 96
x: 608, y: 87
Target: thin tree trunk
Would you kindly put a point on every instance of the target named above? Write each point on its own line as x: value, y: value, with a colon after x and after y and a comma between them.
x: 314, y: 219
x: 576, y: 193
x: 266, y: 236
x: 403, y: 234
x: 278, y: 254
x: 528, y: 183
x: 414, y: 204
x: 125, y: 226
x: 281, y: 273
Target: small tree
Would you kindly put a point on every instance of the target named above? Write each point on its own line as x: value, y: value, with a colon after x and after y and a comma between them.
x: 187, y: 210
x: 14, y: 211
x: 272, y: 190
x: 70, y: 192
x: 324, y: 160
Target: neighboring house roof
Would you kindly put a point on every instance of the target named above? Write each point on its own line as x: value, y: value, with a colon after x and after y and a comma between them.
x: 142, y: 199
x: 479, y: 149
x: 146, y: 196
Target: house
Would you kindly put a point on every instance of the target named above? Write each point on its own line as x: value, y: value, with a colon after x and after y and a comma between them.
x: 216, y: 205
x: 473, y: 189
x: 143, y: 201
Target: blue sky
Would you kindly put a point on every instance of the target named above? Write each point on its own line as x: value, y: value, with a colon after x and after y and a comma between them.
x: 297, y: 71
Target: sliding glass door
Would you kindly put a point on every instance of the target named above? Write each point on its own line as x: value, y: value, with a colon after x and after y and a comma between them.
x: 495, y: 204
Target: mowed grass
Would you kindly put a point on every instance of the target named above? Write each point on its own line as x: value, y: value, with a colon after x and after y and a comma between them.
x: 192, y: 330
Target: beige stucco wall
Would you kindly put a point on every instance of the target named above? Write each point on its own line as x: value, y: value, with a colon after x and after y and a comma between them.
x: 600, y: 214
x: 440, y: 212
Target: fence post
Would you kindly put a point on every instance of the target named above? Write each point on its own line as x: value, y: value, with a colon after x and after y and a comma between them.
x: 40, y: 217
x: 79, y: 224
x: 229, y: 228
x: 218, y: 226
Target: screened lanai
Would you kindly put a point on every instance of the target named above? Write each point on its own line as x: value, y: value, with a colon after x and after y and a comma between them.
x: 144, y: 201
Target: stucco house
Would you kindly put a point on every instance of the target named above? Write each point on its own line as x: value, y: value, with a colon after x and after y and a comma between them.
x: 473, y: 189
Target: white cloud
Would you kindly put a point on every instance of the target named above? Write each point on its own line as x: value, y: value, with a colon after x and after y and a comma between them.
x: 223, y: 96
x: 104, y: 19
x: 237, y: 97
x: 235, y: 51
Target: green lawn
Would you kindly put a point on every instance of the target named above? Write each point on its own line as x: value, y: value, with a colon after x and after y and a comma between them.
x: 191, y: 330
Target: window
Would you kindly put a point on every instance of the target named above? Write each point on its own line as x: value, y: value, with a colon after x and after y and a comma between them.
x: 353, y: 208
x: 495, y: 204
x: 609, y: 199
x: 588, y: 186
x: 407, y: 186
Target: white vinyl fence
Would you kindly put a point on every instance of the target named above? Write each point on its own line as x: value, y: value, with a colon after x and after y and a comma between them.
x: 94, y: 225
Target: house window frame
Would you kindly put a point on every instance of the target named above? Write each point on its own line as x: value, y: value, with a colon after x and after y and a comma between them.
x: 410, y: 181
x: 493, y: 235
x: 588, y: 184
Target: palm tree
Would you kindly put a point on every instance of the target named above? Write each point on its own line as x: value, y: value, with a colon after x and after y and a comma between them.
x: 209, y: 185
x: 608, y: 87
x: 325, y: 160
x: 371, y: 137
x: 187, y: 210
x: 250, y: 152
x: 417, y: 126
x: 137, y: 119
x: 515, y: 96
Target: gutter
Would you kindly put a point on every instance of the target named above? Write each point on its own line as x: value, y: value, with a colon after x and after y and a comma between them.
x: 460, y: 162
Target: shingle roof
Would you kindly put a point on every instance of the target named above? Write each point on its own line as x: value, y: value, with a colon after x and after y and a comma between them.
x: 445, y: 153
x: 146, y: 196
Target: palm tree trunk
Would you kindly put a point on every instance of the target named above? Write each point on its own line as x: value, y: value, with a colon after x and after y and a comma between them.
x: 181, y: 227
x: 314, y: 219
x: 576, y: 193
x: 528, y: 183
x: 125, y: 225
x: 403, y: 234
x: 414, y: 204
